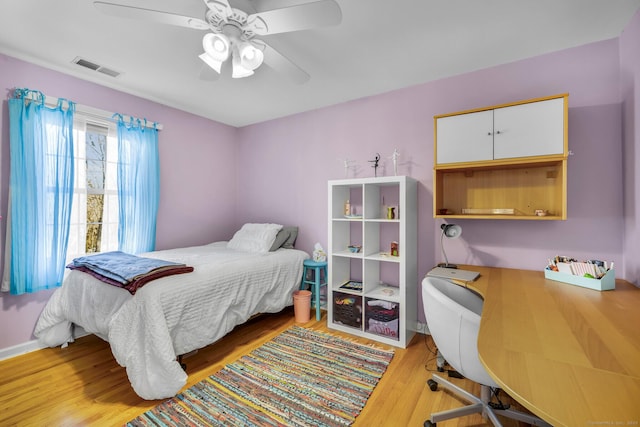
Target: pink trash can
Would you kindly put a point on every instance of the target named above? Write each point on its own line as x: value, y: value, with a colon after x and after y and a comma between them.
x: 302, y: 306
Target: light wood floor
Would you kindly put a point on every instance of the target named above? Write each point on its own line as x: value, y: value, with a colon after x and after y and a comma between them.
x: 82, y: 385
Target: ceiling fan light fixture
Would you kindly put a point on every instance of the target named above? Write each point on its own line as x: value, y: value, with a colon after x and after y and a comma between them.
x: 230, y: 28
x: 239, y: 71
x: 250, y: 56
x: 217, y: 46
x: 213, y: 63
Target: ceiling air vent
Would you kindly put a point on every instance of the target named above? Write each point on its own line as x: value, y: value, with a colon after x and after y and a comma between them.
x: 95, y: 67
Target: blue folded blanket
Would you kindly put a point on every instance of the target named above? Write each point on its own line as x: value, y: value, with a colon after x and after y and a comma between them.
x: 120, y: 266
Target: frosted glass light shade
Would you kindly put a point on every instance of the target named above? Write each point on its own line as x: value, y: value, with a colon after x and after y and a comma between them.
x: 250, y: 57
x: 239, y: 70
x: 217, y: 46
x: 216, y: 65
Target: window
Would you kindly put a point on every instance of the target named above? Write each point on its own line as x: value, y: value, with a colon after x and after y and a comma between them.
x: 94, y: 216
x: 72, y: 193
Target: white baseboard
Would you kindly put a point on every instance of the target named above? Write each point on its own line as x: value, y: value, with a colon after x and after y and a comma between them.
x: 17, y: 350
x: 33, y: 345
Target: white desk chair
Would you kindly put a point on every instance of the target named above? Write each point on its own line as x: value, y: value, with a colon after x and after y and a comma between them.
x: 453, y: 318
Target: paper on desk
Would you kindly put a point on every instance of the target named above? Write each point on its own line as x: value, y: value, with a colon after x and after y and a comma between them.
x: 582, y: 268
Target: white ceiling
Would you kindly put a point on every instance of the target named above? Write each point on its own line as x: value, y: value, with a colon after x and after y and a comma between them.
x: 379, y: 46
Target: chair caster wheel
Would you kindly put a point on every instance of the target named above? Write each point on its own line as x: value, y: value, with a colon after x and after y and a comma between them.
x: 433, y: 386
x: 429, y: 424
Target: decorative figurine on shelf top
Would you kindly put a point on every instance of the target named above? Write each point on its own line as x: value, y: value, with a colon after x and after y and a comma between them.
x: 347, y: 165
x: 391, y: 212
x: 394, y: 249
x: 394, y: 157
x: 319, y: 255
x: 375, y: 164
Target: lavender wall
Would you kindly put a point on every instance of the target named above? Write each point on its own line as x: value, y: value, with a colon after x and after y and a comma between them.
x: 197, y: 158
x: 287, y: 162
x: 630, y: 94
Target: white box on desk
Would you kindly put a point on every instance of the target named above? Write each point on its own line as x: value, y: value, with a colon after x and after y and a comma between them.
x: 606, y: 283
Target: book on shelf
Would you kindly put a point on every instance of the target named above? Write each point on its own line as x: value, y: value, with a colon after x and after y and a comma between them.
x: 352, y: 285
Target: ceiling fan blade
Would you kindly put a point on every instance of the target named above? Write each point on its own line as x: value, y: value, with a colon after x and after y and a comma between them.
x: 219, y: 6
x: 283, y: 65
x: 130, y: 12
x: 295, y: 18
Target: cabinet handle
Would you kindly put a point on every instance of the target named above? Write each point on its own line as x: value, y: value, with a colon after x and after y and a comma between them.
x: 489, y: 133
x: 498, y: 132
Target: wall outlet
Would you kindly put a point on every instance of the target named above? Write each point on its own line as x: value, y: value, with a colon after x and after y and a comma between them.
x: 421, y: 328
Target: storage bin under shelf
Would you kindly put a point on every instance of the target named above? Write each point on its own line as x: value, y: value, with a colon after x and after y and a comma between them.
x: 382, y: 318
x: 347, y: 309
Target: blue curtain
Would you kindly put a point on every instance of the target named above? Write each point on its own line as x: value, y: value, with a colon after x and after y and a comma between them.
x: 138, y: 185
x: 41, y: 190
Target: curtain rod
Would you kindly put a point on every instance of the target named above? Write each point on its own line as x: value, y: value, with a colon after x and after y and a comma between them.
x: 97, y: 113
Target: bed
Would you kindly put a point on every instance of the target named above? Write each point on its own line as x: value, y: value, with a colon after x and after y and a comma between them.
x: 175, y: 315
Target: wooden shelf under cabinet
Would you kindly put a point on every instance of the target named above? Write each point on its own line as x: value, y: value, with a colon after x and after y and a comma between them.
x: 523, y: 187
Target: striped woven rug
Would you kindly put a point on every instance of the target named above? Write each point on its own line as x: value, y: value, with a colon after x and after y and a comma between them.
x: 300, y: 378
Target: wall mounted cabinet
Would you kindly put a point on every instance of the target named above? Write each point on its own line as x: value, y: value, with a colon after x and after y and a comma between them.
x: 372, y: 288
x: 505, y: 161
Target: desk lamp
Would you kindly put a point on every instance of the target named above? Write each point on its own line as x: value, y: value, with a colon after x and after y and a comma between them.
x: 450, y: 231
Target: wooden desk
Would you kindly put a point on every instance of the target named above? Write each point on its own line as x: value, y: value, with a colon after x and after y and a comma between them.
x: 570, y: 355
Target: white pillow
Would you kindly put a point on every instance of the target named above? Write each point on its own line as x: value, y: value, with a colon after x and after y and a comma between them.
x: 255, y: 237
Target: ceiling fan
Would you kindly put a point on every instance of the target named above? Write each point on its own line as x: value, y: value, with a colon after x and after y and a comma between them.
x: 232, y: 32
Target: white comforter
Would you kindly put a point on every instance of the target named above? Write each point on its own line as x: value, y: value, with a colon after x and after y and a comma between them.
x: 172, y: 315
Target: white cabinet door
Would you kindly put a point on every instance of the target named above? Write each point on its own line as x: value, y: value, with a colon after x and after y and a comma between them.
x: 534, y: 129
x: 465, y: 137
